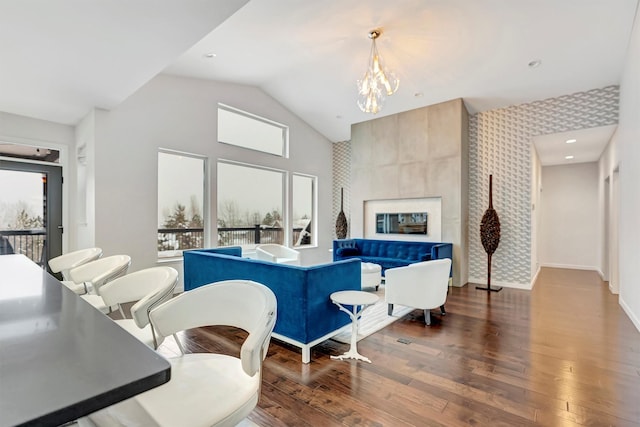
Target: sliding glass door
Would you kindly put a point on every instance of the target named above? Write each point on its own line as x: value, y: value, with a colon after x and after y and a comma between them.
x: 31, y: 210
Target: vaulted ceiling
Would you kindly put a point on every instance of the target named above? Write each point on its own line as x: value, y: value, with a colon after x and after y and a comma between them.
x: 60, y: 59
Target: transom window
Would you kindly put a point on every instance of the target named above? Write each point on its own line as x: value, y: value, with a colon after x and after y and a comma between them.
x: 242, y: 129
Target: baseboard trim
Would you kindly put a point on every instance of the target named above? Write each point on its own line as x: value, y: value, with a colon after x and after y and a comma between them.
x: 630, y: 314
x: 570, y: 266
x: 535, y: 277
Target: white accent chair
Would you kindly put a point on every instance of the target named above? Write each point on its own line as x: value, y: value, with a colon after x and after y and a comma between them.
x: 205, y: 389
x: 277, y: 253
x: 65, y: 262
x: 149, y: 288
x: 92, y: 275
x: 421, y: 285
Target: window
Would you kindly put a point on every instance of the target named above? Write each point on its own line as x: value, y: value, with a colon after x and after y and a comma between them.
x: 181, y: 191
x: 250, y: 205
x: 303, y: 198
x: 246, y: 130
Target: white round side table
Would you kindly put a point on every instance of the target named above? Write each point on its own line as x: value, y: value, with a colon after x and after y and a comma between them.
x: 359, y: 301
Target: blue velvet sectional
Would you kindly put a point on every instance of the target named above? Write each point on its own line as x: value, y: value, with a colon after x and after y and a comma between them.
x: 390, y: 253
x: 306, y: 316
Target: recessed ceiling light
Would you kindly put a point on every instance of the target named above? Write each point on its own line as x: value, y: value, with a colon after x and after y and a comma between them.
x: 535, y: 63
x: 570, y: 141
x: 568, y: 157
x: 209, y: 55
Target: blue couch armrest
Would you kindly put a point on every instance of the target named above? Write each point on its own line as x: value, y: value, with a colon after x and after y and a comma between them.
x: 224, y: 250
x: 341, y: 253
x: 441, y: 251
x: 344, y: 248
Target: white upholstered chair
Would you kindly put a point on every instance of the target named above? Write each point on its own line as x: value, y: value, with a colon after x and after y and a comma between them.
x: 65, y: 262
x: 92, y: 275
x: 278, y: 253
x: 148, y: 288
x: 205, y: 389
x: 421, y: 285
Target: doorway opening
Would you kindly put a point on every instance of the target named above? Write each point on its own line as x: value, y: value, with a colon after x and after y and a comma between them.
x: 31, y: 210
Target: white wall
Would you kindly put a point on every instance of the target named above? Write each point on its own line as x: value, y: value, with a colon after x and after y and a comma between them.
x: 180, y: 114
x: 627, y: 139
x: 28, y: 131
x: 607, y: 164
x: 570, y: 223
x: 82, y: 185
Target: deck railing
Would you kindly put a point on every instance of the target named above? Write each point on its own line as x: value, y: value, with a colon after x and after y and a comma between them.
x: 30, y: 243
x: 173, y: 239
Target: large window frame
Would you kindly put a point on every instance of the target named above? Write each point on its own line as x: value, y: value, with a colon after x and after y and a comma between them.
x: 193, y: 232
x: 233, y: 217
x: 307, y: 236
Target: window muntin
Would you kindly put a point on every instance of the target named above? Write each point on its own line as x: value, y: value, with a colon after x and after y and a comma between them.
x: 181, y: 199
x: 242, y: 129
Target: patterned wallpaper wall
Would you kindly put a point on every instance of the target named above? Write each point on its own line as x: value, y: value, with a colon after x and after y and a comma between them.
x: 500, y: 144
x: 341, y: 179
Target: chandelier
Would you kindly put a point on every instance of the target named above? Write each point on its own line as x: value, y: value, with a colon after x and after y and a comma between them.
x: 378, y: 82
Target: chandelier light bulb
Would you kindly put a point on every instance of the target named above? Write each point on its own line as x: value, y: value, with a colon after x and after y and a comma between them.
x: 377, y: 83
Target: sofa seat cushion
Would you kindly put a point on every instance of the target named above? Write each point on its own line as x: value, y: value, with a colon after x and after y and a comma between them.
x: 384, y: 262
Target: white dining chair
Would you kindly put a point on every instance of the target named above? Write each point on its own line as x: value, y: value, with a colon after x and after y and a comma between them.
x: 94, y: 274
x: 65, y: 262
x: 148, y: 288
x: 205, y: 389
x: 277, y: 253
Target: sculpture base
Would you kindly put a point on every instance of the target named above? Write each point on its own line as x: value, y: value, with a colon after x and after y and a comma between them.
x: 489, y: 288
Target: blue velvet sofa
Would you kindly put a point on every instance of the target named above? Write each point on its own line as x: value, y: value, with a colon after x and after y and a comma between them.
x: 306, y: 316
x: 390, y: 253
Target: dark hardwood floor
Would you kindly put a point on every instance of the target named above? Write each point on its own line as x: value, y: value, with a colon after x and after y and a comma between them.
x: 564, y: 354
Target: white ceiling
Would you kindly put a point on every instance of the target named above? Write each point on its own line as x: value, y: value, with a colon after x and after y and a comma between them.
x: 61, y: 58
x: 588, y: 146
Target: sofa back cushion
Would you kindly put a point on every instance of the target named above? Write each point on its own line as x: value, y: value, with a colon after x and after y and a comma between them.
x: 412, y: 251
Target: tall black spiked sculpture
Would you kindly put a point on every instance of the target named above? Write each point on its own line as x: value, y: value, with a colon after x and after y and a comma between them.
x: 341, y: 221
x: 490, y: 235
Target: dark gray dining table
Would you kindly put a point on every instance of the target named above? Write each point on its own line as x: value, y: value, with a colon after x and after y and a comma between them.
x: 60, y: 358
